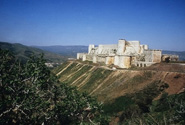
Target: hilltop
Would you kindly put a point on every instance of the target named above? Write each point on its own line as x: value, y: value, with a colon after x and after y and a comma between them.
x: 23, y: 52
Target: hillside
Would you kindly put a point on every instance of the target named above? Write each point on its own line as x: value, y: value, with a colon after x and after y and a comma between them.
x: 23, y: 52
x: 107, y: 84
x: 131, y: 96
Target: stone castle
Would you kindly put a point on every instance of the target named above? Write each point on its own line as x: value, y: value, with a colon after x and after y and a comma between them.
x: 124, y: 54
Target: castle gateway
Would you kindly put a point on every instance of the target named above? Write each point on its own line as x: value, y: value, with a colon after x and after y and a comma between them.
x: 124, y: 54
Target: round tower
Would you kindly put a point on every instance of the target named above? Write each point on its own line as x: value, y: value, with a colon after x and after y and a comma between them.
x: 145, y: 47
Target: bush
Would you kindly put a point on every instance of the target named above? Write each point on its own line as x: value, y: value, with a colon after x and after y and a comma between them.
x: 31, y: 94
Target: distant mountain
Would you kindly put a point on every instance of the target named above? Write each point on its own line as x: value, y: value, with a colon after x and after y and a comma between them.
x: 24, y: 52
x: 181, y: 54
x: 69, y: 51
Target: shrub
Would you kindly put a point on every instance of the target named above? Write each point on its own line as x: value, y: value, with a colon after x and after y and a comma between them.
x: 31, y: 94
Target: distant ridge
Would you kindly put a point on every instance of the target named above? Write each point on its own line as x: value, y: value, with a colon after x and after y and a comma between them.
x: 23, y: 52
x: 69, y: 51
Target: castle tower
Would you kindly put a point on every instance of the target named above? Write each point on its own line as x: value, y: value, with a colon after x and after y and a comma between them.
x: 146, y: 47
x: 141, y: 49
x: 91, y: 46
x: 121, y: 46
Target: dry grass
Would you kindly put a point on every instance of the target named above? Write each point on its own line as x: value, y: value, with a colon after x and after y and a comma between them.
x: 107, y: 85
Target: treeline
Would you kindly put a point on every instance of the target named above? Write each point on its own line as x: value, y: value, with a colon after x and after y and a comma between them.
x: 31, y: 94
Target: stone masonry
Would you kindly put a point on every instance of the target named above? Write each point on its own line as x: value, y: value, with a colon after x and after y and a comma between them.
x: 124, y: 54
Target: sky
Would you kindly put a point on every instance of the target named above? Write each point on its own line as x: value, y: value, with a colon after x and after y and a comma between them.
x: 158, y: 23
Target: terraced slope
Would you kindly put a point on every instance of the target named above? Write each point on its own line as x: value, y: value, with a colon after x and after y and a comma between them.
x: 107, y: 84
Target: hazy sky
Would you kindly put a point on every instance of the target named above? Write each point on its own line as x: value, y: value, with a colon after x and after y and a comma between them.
x: 158, y: 23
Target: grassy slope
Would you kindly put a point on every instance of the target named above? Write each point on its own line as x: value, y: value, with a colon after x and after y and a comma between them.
x: 23, y: 52
x: 99, y: 81
x: 127, y: 94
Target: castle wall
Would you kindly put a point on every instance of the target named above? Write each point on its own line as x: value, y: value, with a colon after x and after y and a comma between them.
x: 145, y: 47
x: 101, y: 59
x: 141, y: 48
x: 132, y: 47
x: 152, y: 55
x: 122, y: 61
x: 94, y: 59
x: 157, y: 56
x: 121, y: 47
x: 84, y: 57
x: 133, y: 59
x: 148, y: 56
x: 135, y: 45
x: 127, y: 62
x: 89, y: 57
x: 116, y: 60
x: 90, y: 48
x: 80, y: 55
x: 143, y: 64
x: 94, y: 51
x: 109, y: 60
x: 107, y: 49
x: 122, y: 54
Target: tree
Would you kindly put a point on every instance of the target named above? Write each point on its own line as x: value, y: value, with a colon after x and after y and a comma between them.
x: 31, y: 94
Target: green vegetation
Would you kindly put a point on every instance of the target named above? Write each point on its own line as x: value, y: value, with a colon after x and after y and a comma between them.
x: 139, y: 108
x: 96, y: 78
x: 144, y: 97
x: 167, y: 110
x: 121, y: 103
x: 31, y: 94
x: 69, y: 69
x: 139, y: 90
x: 78, y: 74
x: 77, y: 71
x: 60, y: 67
x: 24, y: 52
x: 140, y: 78
x: 141, y: 99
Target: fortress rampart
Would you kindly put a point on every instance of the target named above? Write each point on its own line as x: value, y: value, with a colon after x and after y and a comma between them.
x: 124, y: 54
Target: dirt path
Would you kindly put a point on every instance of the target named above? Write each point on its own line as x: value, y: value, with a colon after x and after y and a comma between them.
x: 64, y: 69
